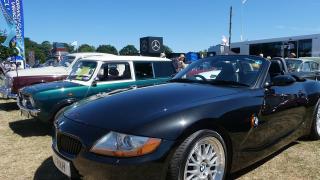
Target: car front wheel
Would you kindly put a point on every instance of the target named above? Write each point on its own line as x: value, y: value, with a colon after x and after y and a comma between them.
x: 315, y: 129
x: 201, y: 156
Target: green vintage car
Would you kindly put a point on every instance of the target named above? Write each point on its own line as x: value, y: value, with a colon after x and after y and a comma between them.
x: 90, y: 76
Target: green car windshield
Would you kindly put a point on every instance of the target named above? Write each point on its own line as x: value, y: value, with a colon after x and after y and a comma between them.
x: 83, y: 70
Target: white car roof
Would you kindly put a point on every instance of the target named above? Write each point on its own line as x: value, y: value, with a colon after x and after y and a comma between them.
x: 125, y: 58
x: 89, y: 54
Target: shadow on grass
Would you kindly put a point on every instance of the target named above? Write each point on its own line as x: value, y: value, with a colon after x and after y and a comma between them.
x: 48, y: 171
x: 31, y: 127
x: 9, y: 106
x: 259, y: 163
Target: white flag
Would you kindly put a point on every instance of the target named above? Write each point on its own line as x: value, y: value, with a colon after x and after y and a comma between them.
x: 244, y: 1
x: 75, y: 43
x: 224, y: 41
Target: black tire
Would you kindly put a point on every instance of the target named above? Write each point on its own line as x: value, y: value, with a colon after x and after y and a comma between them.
x: 315, y: 130
x: 181, y: 154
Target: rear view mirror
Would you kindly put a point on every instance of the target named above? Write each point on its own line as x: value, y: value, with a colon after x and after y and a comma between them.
x: 94, y: 83
x: 283, y: 80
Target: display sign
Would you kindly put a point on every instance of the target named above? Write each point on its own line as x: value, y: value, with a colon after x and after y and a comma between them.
x: 12, y: 26
x: 151, y: 46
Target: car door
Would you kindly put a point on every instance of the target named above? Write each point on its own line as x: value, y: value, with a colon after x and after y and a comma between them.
x: 283, y: 110
x: 112, y: 76
x: 306, y: 71
x: 315, y: 70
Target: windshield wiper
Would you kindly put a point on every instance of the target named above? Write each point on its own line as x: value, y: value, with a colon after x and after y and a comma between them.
x: 223, y: 82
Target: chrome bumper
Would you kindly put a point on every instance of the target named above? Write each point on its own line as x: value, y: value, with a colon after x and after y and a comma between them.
x: 5, y: 93
x: 27, y: 112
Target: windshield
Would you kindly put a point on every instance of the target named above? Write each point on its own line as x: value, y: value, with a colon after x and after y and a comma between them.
x: 83, y: 70
x: 66, y: 61
x: 223, y: 70
x: 293, y: 65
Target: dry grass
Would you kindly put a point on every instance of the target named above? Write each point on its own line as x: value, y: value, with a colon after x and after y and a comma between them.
x: 26, y: 153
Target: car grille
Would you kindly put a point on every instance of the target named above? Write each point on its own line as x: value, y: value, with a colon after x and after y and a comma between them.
x: 68, y: 144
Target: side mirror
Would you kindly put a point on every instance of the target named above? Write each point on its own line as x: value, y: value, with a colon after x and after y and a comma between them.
x: 283, y: 80
x: 94, y: 83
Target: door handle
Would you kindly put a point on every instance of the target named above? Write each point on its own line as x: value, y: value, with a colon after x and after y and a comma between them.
x: 133, y: 87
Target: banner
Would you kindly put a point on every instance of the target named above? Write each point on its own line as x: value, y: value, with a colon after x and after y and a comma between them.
x: 12, y: 26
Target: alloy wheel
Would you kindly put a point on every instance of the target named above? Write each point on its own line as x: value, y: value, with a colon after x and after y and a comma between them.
x: 206, y: 160
x: 318, y: 121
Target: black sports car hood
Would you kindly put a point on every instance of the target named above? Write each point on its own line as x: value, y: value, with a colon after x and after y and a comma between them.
x: 129, y: 110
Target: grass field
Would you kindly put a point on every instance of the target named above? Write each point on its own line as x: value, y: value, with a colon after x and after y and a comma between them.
x: 26, y: 153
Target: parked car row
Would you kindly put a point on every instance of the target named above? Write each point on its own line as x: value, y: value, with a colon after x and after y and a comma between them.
x: 15, y: 80
x: 127, y: 117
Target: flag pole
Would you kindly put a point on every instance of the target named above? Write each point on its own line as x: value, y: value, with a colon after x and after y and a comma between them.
x: 230, y: 28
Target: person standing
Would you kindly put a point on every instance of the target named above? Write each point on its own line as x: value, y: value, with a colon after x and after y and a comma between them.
x: 181, y: 63
x: 163, y: 55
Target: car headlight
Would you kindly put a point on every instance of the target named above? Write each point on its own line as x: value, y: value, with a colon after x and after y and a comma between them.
x: 123, y: 145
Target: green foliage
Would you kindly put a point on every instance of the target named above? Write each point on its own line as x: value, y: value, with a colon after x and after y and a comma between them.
x: 6, y: 52
x: 46, y: 48
x: 129, y: 50
x: 107, y: 49
x: 2, y: 39
x: 41, y: 51
x: 86, y: 48
x: 167, y: 49
x: 70, y: 48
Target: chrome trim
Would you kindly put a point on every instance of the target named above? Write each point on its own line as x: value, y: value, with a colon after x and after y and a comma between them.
x: 6, y: 93
x: 32, y: 112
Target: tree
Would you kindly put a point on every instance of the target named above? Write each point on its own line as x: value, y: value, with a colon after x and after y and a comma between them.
x: 69, y: 48
x: 86, y: 48
x: 46, y: 48
x: 5, y: 52
x: 167, y: 49
x: 40, y: 52
x: 107, y: 49
x: 129, y: 50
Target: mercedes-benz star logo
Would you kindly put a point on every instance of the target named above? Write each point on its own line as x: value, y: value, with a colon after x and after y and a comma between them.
x: 144, y: 46
x: 155, y: 45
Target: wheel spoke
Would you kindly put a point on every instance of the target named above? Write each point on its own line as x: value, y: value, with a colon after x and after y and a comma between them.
x: 206, y: 160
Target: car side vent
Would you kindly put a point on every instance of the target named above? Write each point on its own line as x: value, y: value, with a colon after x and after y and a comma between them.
x: 68, y: 144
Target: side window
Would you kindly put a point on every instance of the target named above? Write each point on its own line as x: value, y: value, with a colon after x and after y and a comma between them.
x: 143, y: 70
x: 114, y: 72
x: 163, y: 69
x: 306, y: 67
x: 314, y: 66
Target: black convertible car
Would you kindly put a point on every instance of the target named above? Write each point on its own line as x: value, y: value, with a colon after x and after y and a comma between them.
x: 217, y: 116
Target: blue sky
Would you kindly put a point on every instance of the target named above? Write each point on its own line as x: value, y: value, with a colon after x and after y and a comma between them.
x: 186, y: 25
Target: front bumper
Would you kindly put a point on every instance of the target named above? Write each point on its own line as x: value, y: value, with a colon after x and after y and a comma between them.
x: 92, y: 166
x: 6, y: 93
